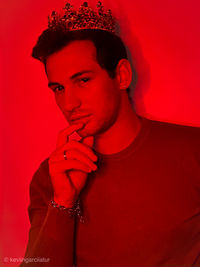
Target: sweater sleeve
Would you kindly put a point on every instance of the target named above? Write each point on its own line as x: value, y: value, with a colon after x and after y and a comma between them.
x: 51, y: 235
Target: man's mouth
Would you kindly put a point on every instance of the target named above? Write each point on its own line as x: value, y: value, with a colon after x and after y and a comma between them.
x: 78, y: 118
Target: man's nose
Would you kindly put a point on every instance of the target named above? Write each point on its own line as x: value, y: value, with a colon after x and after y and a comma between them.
x: 71, y: 99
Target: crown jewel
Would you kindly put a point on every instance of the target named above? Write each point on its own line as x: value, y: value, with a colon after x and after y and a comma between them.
x: 83, y: 18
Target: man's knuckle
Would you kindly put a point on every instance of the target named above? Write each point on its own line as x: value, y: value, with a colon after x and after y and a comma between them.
x: 72, y: 142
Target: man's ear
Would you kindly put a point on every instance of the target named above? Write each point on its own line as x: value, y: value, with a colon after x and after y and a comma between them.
x: 124, y: 74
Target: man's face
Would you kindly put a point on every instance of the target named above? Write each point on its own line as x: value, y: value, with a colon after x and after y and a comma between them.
x: 83, y: 90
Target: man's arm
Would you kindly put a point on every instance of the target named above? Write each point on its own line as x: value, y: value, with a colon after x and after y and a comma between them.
x: 51, y: 236
x: 61, y: 178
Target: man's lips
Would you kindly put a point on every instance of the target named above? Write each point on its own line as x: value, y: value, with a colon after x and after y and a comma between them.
x: 78, y: 117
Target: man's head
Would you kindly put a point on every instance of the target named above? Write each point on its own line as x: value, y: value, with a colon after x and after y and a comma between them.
x: 98, y: 91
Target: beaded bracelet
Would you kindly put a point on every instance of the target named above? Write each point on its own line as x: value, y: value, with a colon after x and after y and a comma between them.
x: 74, y: 211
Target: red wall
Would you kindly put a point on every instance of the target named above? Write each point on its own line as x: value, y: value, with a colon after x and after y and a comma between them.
x: 164, y: 39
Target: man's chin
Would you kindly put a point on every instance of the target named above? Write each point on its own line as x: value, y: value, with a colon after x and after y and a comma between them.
x: 86, y: 131
x: 83, y: 133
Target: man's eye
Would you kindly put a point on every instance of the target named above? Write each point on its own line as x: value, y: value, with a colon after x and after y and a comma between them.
x: 58, y: 88
x: 84, y: 80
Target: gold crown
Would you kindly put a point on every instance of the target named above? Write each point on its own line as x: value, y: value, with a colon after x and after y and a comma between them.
x: 83, y: 18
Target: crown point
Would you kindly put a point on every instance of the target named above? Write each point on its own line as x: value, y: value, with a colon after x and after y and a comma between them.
x: 85, y: 4
x: 83, y: 18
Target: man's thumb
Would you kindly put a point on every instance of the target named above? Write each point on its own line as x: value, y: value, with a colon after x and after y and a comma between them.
x: 89, y: 140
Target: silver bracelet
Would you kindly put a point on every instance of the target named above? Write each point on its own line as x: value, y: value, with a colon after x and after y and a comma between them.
x: 73, y: 212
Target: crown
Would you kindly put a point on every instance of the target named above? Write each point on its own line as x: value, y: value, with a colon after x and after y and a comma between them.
x: 83, y: 18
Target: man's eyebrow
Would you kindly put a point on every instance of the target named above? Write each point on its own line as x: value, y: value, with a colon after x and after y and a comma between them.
x: 80, y: 73
x: 52, y: 83
x: 72, y: 77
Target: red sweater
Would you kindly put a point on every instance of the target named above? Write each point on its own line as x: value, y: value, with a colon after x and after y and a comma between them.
x: 142, y: 206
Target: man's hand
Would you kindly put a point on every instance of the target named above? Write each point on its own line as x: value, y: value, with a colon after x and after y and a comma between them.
x: 69, y: 175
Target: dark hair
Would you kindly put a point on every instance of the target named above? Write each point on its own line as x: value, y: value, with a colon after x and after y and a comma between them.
x: 109, y: 47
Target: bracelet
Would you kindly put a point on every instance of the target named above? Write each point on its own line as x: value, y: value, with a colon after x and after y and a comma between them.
x: 73, y: 212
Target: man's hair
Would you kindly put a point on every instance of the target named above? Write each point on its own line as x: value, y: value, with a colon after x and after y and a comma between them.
x: 109, y: 47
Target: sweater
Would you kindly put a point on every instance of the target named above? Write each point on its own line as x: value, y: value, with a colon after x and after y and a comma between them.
x: 141, y: 207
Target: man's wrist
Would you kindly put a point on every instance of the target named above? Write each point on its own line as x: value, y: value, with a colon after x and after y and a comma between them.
x: 68, y: 204
x: 74, y: 211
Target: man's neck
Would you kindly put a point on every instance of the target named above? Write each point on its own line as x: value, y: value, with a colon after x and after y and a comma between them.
x: 122, y: 133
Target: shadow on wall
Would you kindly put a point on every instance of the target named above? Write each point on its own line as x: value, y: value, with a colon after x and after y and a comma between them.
x: 141, y: 69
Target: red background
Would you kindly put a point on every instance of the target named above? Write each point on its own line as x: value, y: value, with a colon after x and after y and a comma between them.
x: 164, y: 40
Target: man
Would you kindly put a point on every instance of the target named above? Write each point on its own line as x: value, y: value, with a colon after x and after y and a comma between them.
x: 128, y: 192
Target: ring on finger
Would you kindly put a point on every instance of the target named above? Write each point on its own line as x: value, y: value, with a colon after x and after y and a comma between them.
x: 64, y: 155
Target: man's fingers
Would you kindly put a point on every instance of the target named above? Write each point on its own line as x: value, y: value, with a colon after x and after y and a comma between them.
x: 70, y: 164
x: 75, y: 145
x: 89, y: 141
x: 63, y: 136
x: 74, y: 154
